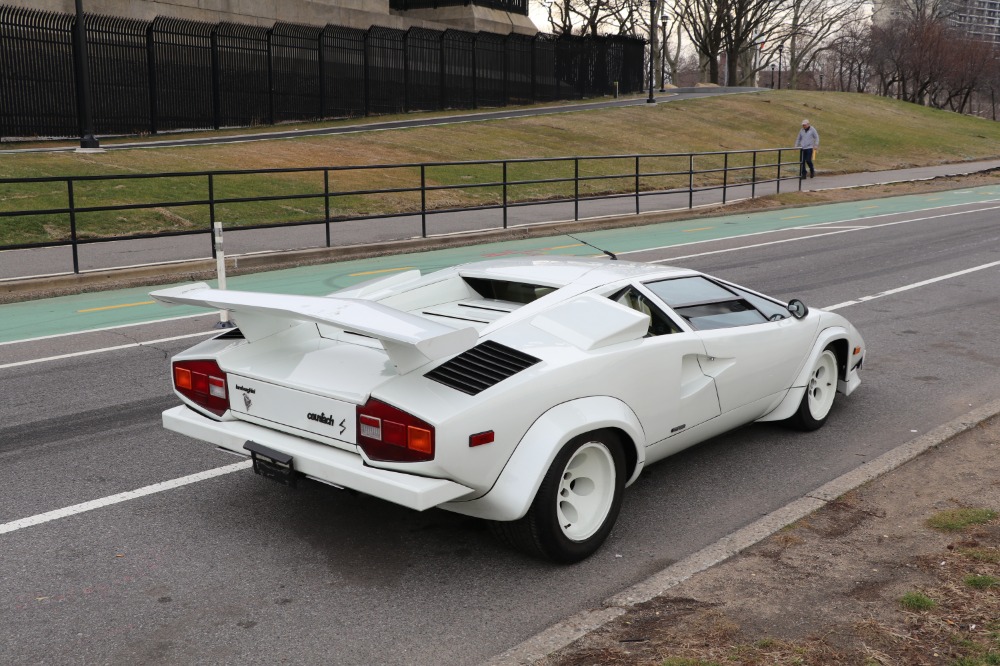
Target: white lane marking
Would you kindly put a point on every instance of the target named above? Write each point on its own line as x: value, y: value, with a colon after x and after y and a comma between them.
x: 915, y: 285
x: 820, y: 225
x: 799, y: 238
x: 105, y: 349
x: 823, y: 226
x: 40, y: 518
x: 108, y: 328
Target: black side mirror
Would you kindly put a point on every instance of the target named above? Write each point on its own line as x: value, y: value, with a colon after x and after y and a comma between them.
x: 797, y: 308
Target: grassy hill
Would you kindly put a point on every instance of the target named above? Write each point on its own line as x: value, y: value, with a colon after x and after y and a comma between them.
x: 858, y: 133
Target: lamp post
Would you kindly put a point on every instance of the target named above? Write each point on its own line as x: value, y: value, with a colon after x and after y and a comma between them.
x: 780, y: 49
x: 663, y: 60
x: 652, y: 29
x: 87, y: 138
x: 772, y: 76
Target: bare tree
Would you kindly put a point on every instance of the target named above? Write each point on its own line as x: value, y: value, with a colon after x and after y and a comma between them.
x: 703, y: 22
x: 809, y: 27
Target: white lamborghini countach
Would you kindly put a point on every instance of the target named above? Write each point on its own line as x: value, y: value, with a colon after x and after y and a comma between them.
x: 527, y: 392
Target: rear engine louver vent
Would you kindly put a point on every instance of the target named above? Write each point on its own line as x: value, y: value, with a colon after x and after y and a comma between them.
x: 481, y: 367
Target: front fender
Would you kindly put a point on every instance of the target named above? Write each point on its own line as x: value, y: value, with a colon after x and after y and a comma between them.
x: 515, y: 488
x: 793, y: 398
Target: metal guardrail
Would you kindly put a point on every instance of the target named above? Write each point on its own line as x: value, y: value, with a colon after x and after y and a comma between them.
x: 725, y: 170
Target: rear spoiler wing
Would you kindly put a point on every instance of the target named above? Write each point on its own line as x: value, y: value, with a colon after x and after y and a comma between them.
x: 410, y: 340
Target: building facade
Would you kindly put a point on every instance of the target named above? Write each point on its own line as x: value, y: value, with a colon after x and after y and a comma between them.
x: 980, y: 19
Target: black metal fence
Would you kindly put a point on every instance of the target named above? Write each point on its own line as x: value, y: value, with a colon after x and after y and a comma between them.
x: 79, y: 206
x: 169, y: 74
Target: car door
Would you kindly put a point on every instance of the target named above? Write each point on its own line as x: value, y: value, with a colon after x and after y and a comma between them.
x: 674, y: 394
x: 754, y: 347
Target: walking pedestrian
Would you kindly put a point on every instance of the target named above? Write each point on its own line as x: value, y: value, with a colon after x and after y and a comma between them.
x: 807, y: 142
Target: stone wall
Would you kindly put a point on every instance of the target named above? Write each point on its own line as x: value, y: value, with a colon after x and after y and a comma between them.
x: 353, y: 13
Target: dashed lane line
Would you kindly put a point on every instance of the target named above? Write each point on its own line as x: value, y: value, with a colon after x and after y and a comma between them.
x: 68, y: 511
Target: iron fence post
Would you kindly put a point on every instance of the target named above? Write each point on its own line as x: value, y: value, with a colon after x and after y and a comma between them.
x: 475, y: 74
x: 691, y: 180
x: 72, y: 226
x: 778, y: 183
x: 576, y: 188
x: 753, y: 176
x: 423, y: 201
x: 211, y: 211
x: 216, y: 79
x: 326, y: 202
x: 270, y: 78
x: 505, y: 194
x: 322, y: 76
x: 151, y: 61
x: 636, y: 184
x: 725, y: 175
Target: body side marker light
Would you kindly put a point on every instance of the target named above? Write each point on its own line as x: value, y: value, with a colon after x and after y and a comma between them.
x: 481, y: 438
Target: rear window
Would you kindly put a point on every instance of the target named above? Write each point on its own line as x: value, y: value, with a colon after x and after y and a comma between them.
x: 513, y: 292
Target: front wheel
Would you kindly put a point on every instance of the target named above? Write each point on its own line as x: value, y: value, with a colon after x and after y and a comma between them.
x: 820, y: 393
x: 577, y: 502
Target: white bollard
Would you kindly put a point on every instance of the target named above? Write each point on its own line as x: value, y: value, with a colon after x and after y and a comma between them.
x: 220, y: 270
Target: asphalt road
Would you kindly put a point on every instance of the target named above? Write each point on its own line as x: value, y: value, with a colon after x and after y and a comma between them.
x: 238, y: 570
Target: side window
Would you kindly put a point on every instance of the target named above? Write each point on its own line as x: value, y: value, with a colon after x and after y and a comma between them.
x: 659, y: 323
x: 707, y: 305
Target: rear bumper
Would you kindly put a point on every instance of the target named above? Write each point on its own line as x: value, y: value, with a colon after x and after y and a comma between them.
x: 318, y: 461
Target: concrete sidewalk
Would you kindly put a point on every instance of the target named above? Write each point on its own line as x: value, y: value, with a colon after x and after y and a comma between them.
x: 863, y: 541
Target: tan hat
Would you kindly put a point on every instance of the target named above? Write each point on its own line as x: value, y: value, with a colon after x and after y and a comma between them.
x: 805, y: 121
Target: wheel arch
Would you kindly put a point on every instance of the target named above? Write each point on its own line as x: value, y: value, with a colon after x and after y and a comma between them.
x: 835, y: 337
x: 516, y: 487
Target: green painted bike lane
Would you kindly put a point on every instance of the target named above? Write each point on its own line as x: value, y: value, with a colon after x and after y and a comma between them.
x: 84, y: 312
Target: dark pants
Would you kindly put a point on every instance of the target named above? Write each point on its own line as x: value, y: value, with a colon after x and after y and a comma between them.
x: 806, y: 160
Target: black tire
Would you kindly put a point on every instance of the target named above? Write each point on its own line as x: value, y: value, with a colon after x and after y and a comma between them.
x: 571, y: 529
x: 821, y: 393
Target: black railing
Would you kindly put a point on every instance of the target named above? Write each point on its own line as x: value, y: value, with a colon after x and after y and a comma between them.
x: 169, y: 74
x: 349, y: 193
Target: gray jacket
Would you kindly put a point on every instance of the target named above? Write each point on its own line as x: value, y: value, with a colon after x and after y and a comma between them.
x: 808, y: 138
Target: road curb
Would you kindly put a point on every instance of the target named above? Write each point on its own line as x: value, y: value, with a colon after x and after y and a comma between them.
x: 572, y: 628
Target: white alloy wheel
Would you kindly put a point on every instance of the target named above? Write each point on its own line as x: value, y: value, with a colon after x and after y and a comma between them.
x: 822, y: 387
x: 586, y: 491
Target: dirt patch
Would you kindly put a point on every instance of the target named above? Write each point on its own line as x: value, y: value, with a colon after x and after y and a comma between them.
x: 862, y: 581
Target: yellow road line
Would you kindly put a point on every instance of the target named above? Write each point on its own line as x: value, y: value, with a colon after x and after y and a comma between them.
x: 698, y: 229
x: 794, y: 217
x: 384, y: 270
x: 115, y: 307
x: 868, y: 207
x: 565, y: 247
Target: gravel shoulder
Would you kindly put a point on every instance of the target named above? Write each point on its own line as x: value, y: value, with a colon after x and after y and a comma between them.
x: 866, y: 579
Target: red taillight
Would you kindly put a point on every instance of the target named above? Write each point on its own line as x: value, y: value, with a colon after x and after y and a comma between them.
x: 202, y: 382
x: 391, y: 435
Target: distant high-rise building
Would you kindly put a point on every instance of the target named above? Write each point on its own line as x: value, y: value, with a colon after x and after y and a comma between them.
x: 980, y: 19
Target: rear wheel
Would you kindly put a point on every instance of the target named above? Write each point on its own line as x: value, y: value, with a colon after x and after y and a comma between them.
x: 820, y: 393
x: 577, y: 503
